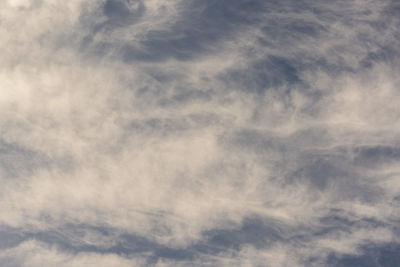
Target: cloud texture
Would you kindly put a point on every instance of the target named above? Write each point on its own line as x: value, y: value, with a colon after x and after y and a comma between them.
x: 199, y: 133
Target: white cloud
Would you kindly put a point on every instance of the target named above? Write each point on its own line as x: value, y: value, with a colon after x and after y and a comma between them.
x: 32, y: 254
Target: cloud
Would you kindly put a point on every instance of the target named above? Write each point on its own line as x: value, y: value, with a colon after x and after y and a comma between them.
x: 33, y: 253
x: 188, y: 133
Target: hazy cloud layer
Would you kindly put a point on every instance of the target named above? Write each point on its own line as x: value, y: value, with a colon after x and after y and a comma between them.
x: 199, y: 133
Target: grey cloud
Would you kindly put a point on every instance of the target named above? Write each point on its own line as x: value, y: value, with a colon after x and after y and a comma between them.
x: 10, y: 237
x: 320, y: 169
x: 272, y: 72
x: 257, y: 232
x: 119, y: 13
x: 199, y: 29
x: 321, y: 173
x: 18, y: 161
x: 385, y: 256
x: 187, y: 96
x: 370, y: 157
x: 122, y: 12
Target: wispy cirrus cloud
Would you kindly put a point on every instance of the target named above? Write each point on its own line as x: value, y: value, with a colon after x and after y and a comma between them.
x: 192, y: 133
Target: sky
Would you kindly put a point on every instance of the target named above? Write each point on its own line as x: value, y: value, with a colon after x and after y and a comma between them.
x: 199, y: 133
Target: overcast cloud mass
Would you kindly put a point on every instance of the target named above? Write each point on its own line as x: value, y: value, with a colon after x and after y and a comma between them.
x: 199, y: 133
